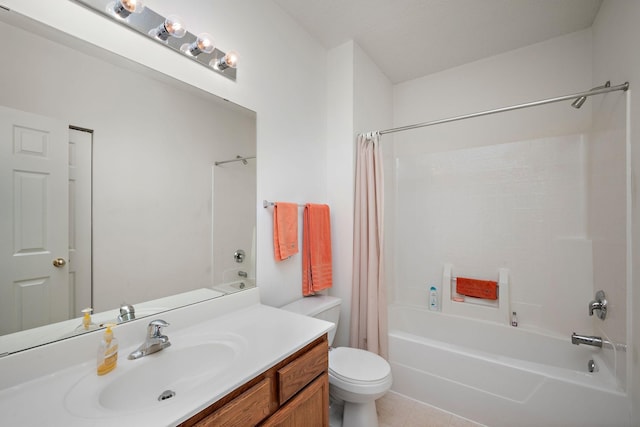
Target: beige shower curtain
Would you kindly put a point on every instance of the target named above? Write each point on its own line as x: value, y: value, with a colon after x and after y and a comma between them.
x: 369, y: 296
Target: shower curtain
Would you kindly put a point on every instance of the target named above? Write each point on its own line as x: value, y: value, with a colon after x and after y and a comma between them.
x: 369, y: 296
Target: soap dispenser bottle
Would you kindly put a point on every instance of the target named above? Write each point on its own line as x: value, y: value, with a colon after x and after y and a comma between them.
x: 87, y: 324
x: 107, y: 352
x: 434, y: 302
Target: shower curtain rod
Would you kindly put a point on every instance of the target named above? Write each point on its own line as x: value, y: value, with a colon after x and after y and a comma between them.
x: 237, y: 159
x: 596, y: 91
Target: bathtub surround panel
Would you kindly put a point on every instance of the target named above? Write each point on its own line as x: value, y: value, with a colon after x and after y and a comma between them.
x: 610, y: 212
x: 615, y: 35
x: 519, y: 206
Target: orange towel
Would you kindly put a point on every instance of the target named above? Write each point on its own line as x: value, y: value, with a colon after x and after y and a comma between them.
x: 316, y: 249
x: 486, y: 289
x: 285, y: 230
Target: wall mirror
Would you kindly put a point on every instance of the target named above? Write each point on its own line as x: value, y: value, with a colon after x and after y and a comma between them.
x: 118, y: 186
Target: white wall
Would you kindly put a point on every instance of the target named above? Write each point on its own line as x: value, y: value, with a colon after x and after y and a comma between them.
x: 340, y: 158
x: 559, y: 66
x: 615, y: 36
x: 289, y: 97
x: 499, y: 191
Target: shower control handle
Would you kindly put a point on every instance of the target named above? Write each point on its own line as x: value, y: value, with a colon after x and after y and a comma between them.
x: 239, y: 255
x: 599, y: 305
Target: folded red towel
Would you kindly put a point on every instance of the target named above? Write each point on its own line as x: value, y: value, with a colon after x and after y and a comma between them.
x: 486, y: 289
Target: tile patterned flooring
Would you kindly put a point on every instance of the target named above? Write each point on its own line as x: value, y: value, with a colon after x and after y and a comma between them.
x: 395, y: 410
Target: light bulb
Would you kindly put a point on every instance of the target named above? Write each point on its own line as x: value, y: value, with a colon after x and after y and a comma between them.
x: 172, y: 26
x: 124, y: 8
x: 229, y: 60
x: 203, y: 44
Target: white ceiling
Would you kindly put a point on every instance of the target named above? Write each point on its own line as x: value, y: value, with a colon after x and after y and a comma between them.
x: 414, y: 38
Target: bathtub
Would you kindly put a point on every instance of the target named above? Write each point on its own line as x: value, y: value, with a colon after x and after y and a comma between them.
x: 500, y: 375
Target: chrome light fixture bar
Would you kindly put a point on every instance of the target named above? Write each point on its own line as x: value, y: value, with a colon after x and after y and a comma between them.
x: 169, y: 31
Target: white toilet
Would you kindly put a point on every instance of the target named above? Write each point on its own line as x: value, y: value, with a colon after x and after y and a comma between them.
x: 356, y: 377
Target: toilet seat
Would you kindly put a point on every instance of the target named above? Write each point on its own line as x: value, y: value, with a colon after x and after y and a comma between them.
x: 359, y: 371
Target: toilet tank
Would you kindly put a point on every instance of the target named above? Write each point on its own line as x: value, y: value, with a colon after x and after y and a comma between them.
x: 319, y: 306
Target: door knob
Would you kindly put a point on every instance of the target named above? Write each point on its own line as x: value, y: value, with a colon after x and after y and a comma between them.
x: 59, y: 262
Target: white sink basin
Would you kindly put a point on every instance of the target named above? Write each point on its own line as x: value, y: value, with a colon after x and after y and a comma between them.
x: 154, y: 380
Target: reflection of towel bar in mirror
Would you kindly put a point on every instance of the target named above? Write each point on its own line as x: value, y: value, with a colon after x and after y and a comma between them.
x: 237, y: 159
x: 266, y: 204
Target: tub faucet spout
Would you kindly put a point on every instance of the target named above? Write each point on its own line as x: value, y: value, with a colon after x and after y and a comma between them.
x: 586, y: 339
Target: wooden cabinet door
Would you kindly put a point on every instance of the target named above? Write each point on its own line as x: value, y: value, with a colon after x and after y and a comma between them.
x: 248, y: 409
x: 309, y: 408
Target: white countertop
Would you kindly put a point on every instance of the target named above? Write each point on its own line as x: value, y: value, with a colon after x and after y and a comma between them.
x: 48, y: 333
x: 268, y: 335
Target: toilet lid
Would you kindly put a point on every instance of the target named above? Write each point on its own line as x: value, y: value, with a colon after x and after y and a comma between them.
x: 352, y: 364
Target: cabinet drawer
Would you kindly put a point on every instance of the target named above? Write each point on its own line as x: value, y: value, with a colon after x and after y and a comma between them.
x: 248, y: 409
x: 296, y: 375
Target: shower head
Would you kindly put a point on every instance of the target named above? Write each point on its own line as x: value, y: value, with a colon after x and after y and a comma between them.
x: 242, y: 159
x: 577, y: 103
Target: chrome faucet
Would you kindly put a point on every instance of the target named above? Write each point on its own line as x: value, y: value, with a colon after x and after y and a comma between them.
x: 154, y: 341
x: 599, y: 305
x: 127, y: 312
x: 242, y: 274
x: 586, y: 339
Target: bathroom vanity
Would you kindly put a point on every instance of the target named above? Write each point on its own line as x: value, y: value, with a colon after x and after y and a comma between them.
x: 294, y: 392
x: 232, y: 362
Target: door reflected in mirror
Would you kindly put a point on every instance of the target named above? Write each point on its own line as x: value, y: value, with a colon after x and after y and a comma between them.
x: 161, y: 218
x: 45, y: 189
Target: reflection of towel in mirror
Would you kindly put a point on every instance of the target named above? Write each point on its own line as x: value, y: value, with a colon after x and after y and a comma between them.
x: 285, y: 230
x: 316, y: 249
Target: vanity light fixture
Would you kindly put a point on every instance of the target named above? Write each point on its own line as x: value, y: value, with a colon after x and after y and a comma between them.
x: 124, y: 8
x: 170, y: 31
x: 229, y: 60
x: 203, y: 44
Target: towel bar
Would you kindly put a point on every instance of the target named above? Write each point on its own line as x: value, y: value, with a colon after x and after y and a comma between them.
x: 266, y: 204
